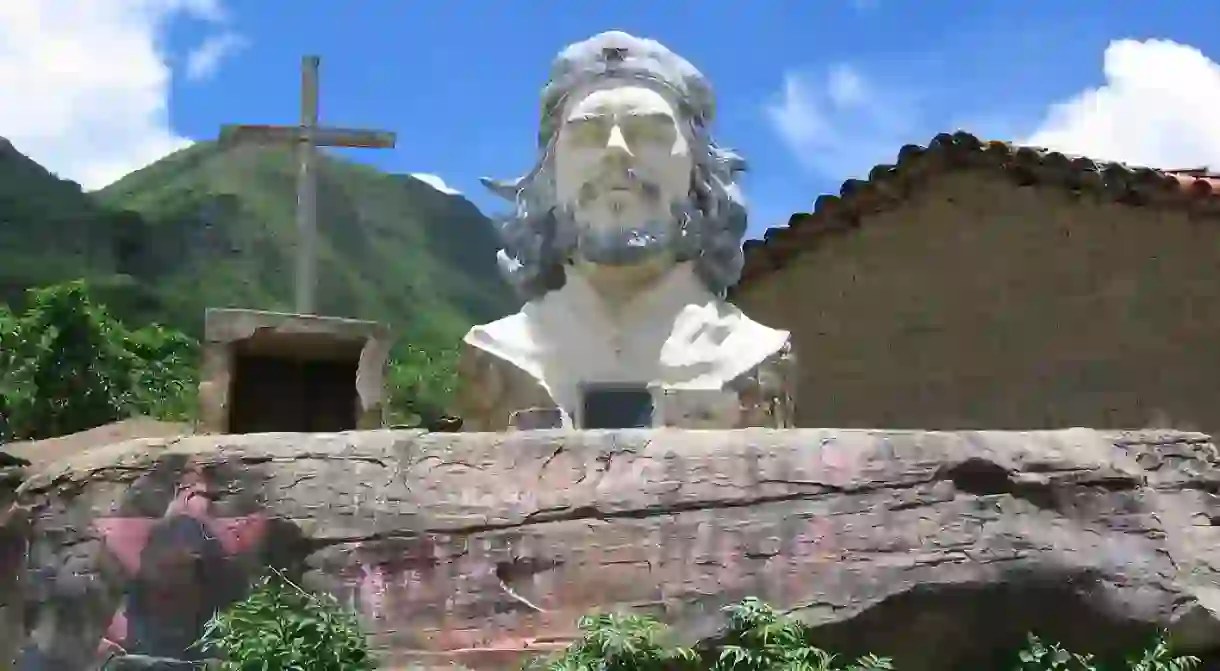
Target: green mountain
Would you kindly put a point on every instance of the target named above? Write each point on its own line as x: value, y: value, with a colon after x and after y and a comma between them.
x: 212, y: 227
x: 49, y: 230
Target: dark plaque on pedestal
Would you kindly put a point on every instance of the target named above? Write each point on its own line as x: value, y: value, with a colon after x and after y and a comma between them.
x: 616, y: 406
x: 534, y: 419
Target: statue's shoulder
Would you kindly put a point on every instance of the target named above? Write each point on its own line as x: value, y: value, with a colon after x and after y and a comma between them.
x: 758, y: 328
x: 510, y: 343
x: 495, y: 375
x: 773, y: 341
x: 510, y: 338
x: 508, y: 328
x: 767, y: 390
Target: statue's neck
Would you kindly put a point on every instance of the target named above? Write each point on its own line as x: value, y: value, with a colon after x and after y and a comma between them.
x: 620, y: 286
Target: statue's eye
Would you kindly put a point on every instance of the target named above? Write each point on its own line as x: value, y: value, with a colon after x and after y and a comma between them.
x: 586, y: 131
x: 648, y: 130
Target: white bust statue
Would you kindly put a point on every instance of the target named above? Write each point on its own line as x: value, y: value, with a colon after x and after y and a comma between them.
x: 625, y: 237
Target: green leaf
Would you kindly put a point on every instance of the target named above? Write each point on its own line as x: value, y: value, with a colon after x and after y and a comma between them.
x: 281, y: 627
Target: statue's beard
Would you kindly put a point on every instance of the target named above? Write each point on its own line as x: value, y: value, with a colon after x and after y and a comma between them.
x: 642, y: 238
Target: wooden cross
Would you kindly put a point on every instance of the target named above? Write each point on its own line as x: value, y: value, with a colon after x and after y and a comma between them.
x: 307, y: 137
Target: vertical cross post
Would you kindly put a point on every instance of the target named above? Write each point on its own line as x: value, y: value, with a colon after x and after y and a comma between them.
x: 306, y: 138
x: 307, y: 191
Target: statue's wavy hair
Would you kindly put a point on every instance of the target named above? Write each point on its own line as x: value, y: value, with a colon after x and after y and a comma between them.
x: 712, y: 222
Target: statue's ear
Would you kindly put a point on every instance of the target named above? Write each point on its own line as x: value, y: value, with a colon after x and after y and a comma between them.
x: 504, y: 188
x: 733, y: 161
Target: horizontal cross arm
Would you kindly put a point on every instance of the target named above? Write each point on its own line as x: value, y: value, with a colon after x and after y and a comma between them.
x: 354, y: 137
x: 323, y: 136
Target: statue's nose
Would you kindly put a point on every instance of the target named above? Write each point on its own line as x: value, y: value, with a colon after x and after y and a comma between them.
x: 616, y: 143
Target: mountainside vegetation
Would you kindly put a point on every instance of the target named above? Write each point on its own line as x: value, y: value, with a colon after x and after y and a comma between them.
x: 215, y: 227
x: 67, y: 366
x: 50, y: 231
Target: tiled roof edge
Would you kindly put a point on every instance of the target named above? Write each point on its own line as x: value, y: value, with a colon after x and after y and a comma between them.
x: 888, y: 186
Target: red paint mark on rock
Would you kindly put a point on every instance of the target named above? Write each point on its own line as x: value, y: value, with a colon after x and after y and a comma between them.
x: 126, y: 537
x: 169, y: 585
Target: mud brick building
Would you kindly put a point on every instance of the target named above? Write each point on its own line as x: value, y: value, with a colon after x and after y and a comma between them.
x: 979, y: 284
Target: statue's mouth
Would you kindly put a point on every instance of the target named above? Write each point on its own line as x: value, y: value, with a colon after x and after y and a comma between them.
x: 615, y: 197
x: 640, y: 190
x: 617, y: 184
x: 614, y: 187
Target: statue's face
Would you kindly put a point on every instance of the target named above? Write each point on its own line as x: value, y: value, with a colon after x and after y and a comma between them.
x: 621, y: 164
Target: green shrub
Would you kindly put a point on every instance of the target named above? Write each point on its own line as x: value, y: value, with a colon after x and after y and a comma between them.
x: 1040, y: 656
x: 420, y: 383
x: 164, y: 377
x: 616, y: 642
x: 758, y: 638
x: 66, y: 365
x: 281, y: 627
x: 66, y: 369
x: 8, y: 359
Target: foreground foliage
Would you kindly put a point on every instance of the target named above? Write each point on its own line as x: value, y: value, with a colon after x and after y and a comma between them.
x: 758, y: 638
x: 420, y: 383
x: 1040, y: 656
x: 281, y: 627
x: 66, y: 365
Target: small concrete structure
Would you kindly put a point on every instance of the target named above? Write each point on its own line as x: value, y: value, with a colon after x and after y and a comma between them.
x: 271, y: 371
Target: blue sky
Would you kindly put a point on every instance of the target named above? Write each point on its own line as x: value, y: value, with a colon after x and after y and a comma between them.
x: 810, y: 92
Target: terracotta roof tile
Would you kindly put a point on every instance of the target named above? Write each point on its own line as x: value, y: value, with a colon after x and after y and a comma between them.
x: 888, y: 186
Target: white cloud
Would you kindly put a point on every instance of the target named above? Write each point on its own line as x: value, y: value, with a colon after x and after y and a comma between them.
x: 204, y: 60
x: 1157, y: 108
x: 1154, y: 108
x: 436, y: 182
x: 85, y: 84
x: 840, y: 124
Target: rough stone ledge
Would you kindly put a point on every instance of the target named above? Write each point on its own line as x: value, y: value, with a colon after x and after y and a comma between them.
x: 477, y: 547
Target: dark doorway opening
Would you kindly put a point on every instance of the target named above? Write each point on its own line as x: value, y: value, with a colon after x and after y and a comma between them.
x: 281, y: 393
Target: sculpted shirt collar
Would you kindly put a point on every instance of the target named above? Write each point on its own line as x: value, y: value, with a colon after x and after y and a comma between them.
x: 658, y: 302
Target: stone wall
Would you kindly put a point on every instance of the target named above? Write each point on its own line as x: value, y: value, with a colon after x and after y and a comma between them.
x: 14, y: 537
x: 269, y: 371
x: 937, y: 548
x: 981, y: 304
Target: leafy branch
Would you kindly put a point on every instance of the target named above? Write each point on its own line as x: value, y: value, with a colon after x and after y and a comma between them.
x: 282, y: 627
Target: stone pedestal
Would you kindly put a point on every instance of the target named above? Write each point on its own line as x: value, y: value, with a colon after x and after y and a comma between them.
x: 270, y: 371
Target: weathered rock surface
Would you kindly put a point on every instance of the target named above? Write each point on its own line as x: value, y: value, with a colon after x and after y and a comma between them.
x: 939, y: 549
x: 14, y: 536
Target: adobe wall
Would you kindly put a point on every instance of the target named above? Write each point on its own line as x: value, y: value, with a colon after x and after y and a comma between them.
x: 980, y: 304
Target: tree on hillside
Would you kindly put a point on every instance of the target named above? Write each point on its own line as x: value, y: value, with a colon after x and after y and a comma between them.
x: 64, y: 369
x: 163, y: 377
x: 8, y: 329
x: 67, y: 366
x: 420, y: 383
